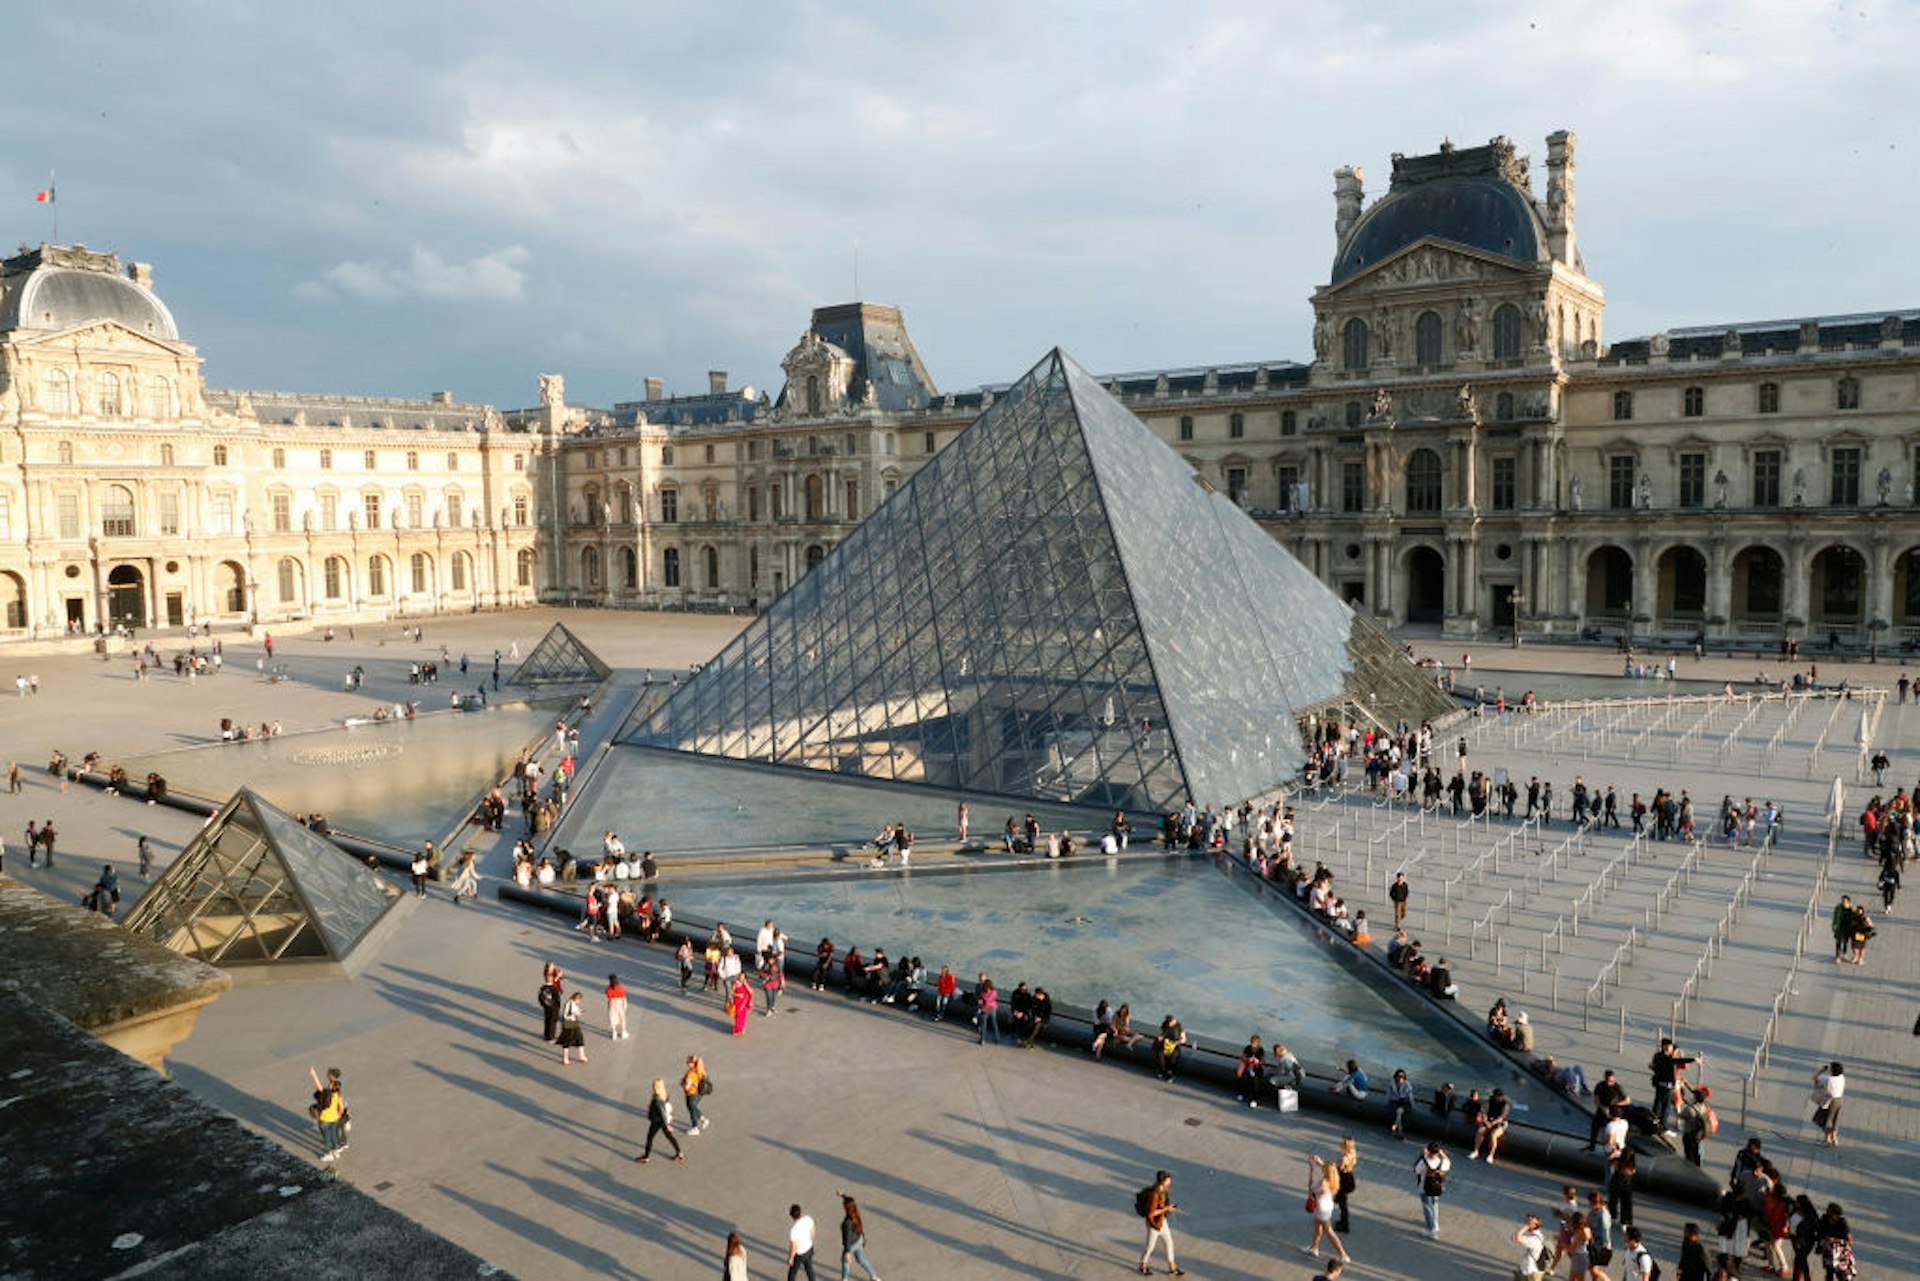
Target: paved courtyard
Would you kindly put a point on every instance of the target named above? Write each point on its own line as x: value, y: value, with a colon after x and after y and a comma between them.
x: 1001, y: 1163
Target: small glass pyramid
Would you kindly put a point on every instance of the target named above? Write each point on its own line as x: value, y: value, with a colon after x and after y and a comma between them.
x: 561, y: 658
x: 1055, y: 607
x: 256, y: 886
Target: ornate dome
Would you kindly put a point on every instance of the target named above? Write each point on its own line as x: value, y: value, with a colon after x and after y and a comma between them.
x: 1488, y: 214
x: 54, y: 288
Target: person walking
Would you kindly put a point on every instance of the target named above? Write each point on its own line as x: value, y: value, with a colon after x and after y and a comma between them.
x: 616, y: 1010
x: 1399, y: 893
x: 551, y: 999
x: 800, y: 1235
x: 46, y: 841
x: 1534, y: 1253
x: 466, y: 878
x: 740, y: 1003
x: 1155, y: 1204
x: 773, y: 977
x: 659, y: 1124
x: 683, y: 956
x: 1829, y: 1094
x: 1430, y: 1175
x: 572, y: 1037
x: 144, y: 851
x: 695, y: 1085
x: 418, y: 869
x: 853, y: 1231
x: 1842, y: 928
x: 1323, y: 1187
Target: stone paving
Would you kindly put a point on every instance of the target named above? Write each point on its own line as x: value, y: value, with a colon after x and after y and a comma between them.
x: 992, y: 1163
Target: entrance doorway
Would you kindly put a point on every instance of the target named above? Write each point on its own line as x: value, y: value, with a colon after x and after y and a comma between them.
x: 1426, y: 586
x: 126, y: 597
x: 176, y: 609
x: 76, y: 614
x: 1503, y: 605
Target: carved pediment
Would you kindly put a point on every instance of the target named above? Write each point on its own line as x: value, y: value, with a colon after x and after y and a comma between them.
x: 1427, y: 262
x: 102, y: 335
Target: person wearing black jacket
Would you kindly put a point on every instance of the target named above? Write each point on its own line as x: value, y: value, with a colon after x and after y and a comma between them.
x: 1039, y: 1014
x: 1666, y: 1067
x: 1607, y: 1095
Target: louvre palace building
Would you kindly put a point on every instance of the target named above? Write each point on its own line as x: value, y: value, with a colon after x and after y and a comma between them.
x: 1463, y: 452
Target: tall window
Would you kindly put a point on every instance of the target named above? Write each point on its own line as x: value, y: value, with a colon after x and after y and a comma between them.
x: 416, y: 511
x: 453, y: 461
x: 1846, y: 394
x: 813, y: 399
x: 519, y: 509
x: 369, y: 459
x: 1426, y: 338
x: 1236, y: 426
x: 282, y: 513
x: 166, y: 455
x: 417, y: 568
x: 288, y: 580
x: 1769, y: 398
x: 1289, y: 423
x: 1504, y: 472
x: 1846, y: 477
x: 853, y: 500
x: 709, y: 452
x: 279, y: 458
x: 63, y: 452
x: 58, y: 392
x: 1289, y: 477
x: 1766, y: 478
x: 116, y: 512
x: 377, y: 576
x: 159, y: 397
x: 1693, y: 402
x: 1353, y: 487
x: 1622, y: 406
x: 1237, y: 486
x: 932, y: 443
x: 331, y: 575
x: 219, y: 455
x: 6, y: 524
x: 666, y: 455
x: 670, y: 567
x: 1503, y: 407
x: 371, y: 502
x: 110, y: 393
x: 1353, y: 345
x: 413, y: 460
x: 669, y: 506
x: 326, y: 460
x: 67, y: 507
x: 523, y: 567
x: 712, y: 556
x: 458, y: 572
x: 169, y: 511
x: 1355, y: 412
x: 454, y: 512
x: 1186, y: 427
x: 1423, y: 481
x: 1620, y: 481
x: 222, y: 513
x: 753, y: 502
x: 329, y: 511
x: 520, y: 464
x: 1506, y: 332
x: 1693, y: 480
x: 816, y: 498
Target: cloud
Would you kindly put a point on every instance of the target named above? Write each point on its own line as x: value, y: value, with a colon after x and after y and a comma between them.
x: 491, y: 277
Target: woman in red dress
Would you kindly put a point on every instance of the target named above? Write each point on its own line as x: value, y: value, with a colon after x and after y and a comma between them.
x: 740, y: 1004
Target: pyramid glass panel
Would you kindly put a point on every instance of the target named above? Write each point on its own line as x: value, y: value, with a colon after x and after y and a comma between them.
x: 1054, y: 607
x: 255, y: 886
x: 561, y: 658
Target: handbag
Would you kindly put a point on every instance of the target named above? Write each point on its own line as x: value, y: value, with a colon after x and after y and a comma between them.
x: 1310, y: 1200
x: 1289, y: 1099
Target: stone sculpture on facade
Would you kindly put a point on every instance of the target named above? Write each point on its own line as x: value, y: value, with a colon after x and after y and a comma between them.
x: 1883, y: 485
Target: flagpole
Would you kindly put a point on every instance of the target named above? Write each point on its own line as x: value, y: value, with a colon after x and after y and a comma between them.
x: 53, y: 205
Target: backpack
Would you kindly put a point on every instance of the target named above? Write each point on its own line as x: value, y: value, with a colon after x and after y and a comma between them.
x: 1143, y: 1202
x: 705, y: 1087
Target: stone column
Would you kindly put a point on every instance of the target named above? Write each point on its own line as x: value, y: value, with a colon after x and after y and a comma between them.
x: 1719, y: 586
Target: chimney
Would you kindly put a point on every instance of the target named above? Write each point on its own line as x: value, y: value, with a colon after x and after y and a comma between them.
x: 141, y: 274
x: 443, y: 398
x: 1349, y: 193
x: 656, y: 389
x: 1560, y: 195
x: 717, y: 382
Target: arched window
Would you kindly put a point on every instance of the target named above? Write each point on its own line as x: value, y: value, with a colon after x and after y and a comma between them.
x: 289, y: 585
x: 332, y: 574
x: 116, y: 512
x: 813, y: 393
x: 712, y: 557
x: 59, y: 392
x: 670, y: 567
x: 377, y: 576
x: 457, y: 572
x: 523, y: 567
x: 159, y: 397
x: 590, y: 566
x: 417, y: 567
x: 1423, y: 481
x: 110, y: 403
x: 1506, y: 332
x: 815, y: 554
x: 1426, y: 339
x: 1353, y: 345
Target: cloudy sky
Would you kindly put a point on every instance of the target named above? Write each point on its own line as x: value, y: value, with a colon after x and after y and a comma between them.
x: 394, y: 198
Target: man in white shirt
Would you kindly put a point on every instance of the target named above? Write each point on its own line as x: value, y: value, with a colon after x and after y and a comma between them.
x: 1430, y: 1176
x: 1615, y: 1134
x: 763, y: 944
x: 1830, y: 1090
x: 1639, y: 1262
x: 800, y: 1244
x: 1533, y: 1250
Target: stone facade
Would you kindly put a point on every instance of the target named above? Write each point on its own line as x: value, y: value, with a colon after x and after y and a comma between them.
x: 1463, y: 451
x: 131, y: 493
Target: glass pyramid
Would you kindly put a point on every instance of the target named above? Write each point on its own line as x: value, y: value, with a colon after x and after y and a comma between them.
x: 561, y: 658
x: 256, y: 886
x: 1054, y: 607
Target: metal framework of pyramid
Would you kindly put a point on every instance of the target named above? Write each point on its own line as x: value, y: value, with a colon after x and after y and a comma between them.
x: 1054, y: 607
x: 255, y: 887
x: 561, y: 658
